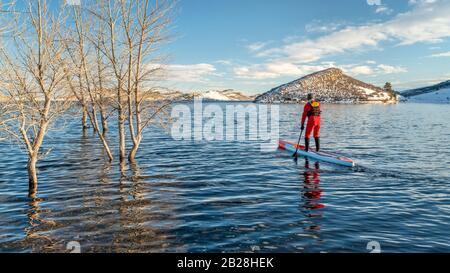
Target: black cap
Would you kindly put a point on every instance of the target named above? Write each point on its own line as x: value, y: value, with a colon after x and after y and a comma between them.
x: 310, y: 96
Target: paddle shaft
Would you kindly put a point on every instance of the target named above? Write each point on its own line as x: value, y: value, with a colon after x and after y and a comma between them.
x: 298, y: 143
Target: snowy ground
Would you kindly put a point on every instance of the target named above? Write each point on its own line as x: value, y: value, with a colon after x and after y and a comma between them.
x: 379, y: 96
x: 441, y: 96
x: 367, y: 90
x: 215, y: 95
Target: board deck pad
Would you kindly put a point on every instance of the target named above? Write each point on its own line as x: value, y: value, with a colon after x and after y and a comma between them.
x: 322, y: 155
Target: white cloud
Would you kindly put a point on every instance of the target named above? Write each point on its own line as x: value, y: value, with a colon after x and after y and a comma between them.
x: 277, y: 69
x: 193, y: 73
x: 419, y: 82
x: 389, y: 69
x: 421, y: 2
x: 285, y: 69
x: 257, y: 46
x: 443, y: 54
x: 374, y: 2
x: 224, y: 62
x: 383, y: 10
x: 359, y: 70
x: 380, y: 7
x: 422, y: 24
x: 372, y: 69
x: 318, y: 26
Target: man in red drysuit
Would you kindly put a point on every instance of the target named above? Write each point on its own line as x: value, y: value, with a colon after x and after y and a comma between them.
x: 312, y: 111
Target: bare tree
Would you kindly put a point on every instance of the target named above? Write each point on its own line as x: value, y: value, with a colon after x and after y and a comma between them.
x: 87, y: 81
x: 129, y: 37
x: 32, y: 79
x: 145, y: 28
x: 105, y: 39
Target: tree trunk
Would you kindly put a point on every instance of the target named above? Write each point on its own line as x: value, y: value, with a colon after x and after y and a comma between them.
x: 121, y: 124
x: 133, y: 152
x: 107, y: 149
x: 122, y: 148
x: 32, y: 174
x: 84, y: 120
x: 104, y: 123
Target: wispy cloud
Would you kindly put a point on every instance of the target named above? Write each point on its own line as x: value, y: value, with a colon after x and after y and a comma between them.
x: 257, y: 46
x: 371, y: 69
x: 420, y: 25
x: 380, y: 7
x: 224, y: 62
x: 282, y: 69
x: 275, y: 69
x: 317, y: 26
x: 421, y: 2
x: 438, y: 55
x: 418, y: 83
x: 191, y: 73
x: 389, y: 69
x: 383, y: 10
x: 374, y: 2
x: 431, y: 24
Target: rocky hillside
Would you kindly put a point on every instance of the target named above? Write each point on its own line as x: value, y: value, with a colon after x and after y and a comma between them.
x: 330, y: 85
x: 166, y: 94
x: 425, y: 90
x: 225, y: 95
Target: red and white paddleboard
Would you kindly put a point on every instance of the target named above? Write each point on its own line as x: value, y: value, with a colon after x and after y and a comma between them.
x: 322, y: 156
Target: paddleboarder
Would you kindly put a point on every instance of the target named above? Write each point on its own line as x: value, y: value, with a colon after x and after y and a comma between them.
x: 312, y: 112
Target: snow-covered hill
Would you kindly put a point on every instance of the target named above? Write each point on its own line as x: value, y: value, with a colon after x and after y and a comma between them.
x: 440, y: 96
x: 439, y: 93
x: 330, y: 85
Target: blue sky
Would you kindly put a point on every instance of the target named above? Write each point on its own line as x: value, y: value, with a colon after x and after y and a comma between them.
x: 255, y: 45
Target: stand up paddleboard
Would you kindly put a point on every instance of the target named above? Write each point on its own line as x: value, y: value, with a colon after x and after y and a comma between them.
x: 322, y: 156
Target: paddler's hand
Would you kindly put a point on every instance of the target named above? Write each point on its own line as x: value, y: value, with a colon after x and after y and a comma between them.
x: 303, y: 127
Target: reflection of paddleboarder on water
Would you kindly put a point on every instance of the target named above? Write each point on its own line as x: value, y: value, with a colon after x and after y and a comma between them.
x: 312, y: 191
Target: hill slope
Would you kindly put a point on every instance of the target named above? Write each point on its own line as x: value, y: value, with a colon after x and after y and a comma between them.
x: 436, y: 93
x: 330, y: 85
x: 225, y: 95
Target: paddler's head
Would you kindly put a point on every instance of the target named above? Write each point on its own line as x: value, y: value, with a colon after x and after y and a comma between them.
x: 310, y: 97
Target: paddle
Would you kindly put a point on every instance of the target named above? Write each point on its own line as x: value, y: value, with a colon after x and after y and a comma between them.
x: 298, y: 145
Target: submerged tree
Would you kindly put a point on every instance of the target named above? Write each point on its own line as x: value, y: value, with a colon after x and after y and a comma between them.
x: 130, y: 36
x: 32, y: 62
x: 145, y: 27
x: 106, y: 57
x: 88, y: 76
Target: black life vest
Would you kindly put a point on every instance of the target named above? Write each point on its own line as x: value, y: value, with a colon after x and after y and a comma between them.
x: 315, y: 109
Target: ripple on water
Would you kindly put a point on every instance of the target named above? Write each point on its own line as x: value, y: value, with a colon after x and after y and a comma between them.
x: 228, y: 196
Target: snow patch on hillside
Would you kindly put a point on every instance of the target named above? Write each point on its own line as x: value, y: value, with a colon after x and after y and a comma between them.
x: 214, y: 95
x: 440, y: 96
x: 367, y: 90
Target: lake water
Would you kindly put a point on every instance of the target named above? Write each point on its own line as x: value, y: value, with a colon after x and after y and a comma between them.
x: 230, y: 197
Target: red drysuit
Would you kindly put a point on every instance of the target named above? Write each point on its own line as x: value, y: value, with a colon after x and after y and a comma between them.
x: 313, y: 114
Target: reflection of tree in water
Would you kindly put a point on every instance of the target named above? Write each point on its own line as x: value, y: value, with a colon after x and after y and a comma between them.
x: 144, y: 221
x: 36, y: 239
x: 311, y: 194
x: 105, y: 210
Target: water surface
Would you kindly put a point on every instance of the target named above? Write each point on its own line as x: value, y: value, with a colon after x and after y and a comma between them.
x: 229, y: 197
